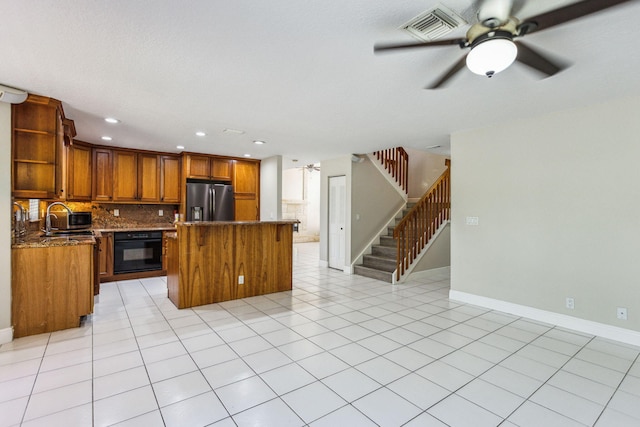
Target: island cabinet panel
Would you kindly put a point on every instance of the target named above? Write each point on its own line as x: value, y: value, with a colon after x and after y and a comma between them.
x: 56, y: 294
x: 207, y: 261
x: 263, y: 258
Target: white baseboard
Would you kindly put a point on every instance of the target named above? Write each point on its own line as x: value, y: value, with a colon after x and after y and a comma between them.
x: 581, y: 325
x: 6, y: 335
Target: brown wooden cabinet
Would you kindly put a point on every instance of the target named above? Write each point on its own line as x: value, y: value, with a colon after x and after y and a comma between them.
x: 246, y: 183
x: 125, y: 176
x: 208, y: 167
x: 105, y: 256
x: 214, y: 262
x: 56, y: 294
x: 170, y: 179
x: 102, y: 175
x: 37, y: 148
x: 79, y: 162
x: 148, y: 177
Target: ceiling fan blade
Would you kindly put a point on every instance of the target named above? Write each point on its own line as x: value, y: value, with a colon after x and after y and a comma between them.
x: 565, y: 14
x: 449, y: 73
x: 404, y: 46
x: 537, y: 61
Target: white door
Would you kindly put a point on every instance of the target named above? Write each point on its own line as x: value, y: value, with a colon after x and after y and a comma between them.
x: 337, y: 218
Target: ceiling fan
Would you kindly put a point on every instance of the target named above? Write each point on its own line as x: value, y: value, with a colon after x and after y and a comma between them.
x: 491, y: 39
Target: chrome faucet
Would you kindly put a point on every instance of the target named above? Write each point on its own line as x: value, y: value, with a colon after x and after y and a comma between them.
x: 20, y: 229
x: 47, y: 221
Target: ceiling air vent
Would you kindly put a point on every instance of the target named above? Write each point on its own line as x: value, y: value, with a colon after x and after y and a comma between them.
x: 433, y: 24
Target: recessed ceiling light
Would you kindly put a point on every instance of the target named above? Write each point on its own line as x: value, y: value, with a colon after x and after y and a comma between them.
x: 433, y: 146
x: 259, y: 142
x: 247, y: 155
x: 236, y: 131
x: 200, y: 133
x: 111, y: 120
x: 180, y: 147
x: 106, y: 138
x: 294, y: 160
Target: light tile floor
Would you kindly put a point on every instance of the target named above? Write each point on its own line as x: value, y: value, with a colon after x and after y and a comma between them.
x: 336, y: 351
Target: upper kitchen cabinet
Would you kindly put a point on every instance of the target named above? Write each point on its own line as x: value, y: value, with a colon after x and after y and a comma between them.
x: 79, y: 178
x: 246, y: 186
x: 38, y: 148
x: 102, y: 175
x: 158, y: 178
x: 208, y: 167
x: 126, y: 176
x: 148, y: 177
x: 170, y: 179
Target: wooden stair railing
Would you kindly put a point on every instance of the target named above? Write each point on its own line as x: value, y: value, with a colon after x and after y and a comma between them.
x: 396, y: 162
x: 415, y: 230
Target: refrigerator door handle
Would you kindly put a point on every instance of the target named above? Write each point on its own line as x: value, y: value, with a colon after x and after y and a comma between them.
x: 212, y: 201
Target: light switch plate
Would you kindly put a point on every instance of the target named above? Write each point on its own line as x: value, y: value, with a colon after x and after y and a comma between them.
x: 160, y: 212
x: 473, y: 220
x: 116, y: 212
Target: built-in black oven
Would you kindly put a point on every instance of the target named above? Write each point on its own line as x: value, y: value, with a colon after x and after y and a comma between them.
x: 137, y: 251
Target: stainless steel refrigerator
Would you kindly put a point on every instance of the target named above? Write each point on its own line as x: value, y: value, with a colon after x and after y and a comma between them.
x: 208, y: 201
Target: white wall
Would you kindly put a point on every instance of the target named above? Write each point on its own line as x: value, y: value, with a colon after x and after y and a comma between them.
x: 424, y: 169
x: 6, y: 333
x: 558, y: 201
x: 271, y: 188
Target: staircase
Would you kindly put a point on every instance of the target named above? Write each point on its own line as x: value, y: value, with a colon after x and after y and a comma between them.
x: 412, y: 233
x: 382, y: 262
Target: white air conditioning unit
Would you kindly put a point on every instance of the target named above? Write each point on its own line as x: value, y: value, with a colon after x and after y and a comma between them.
x: 12, y: 95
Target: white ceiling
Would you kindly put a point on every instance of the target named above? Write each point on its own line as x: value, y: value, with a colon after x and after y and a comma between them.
x: 300, y: 75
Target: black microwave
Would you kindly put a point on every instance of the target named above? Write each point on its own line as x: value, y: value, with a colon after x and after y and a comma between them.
x: 70, y: 221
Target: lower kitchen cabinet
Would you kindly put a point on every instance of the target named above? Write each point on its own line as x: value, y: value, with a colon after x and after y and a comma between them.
x: 51, y: 287
x: 105, y: 256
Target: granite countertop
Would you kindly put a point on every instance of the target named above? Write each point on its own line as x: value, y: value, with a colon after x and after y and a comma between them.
x: 156, y: 227
x: 35, y: 239
x: 39, y: 241
x: 210, y: 223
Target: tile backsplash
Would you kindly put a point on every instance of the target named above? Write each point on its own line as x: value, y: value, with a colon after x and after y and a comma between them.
x: 128, y: 215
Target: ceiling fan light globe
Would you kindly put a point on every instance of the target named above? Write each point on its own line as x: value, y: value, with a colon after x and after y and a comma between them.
x: 492, y: 56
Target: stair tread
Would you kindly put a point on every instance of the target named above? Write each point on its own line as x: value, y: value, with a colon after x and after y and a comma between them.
x: 373, y: 273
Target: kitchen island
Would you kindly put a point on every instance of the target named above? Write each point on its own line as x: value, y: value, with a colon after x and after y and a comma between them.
x: 211, y: 262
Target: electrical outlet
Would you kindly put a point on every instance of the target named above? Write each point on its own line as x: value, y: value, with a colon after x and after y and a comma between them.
x: 622, y: 313
x: 570, y: 303
x: 160, y: 212
x: 116, y: 212
x: 240, y: 280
